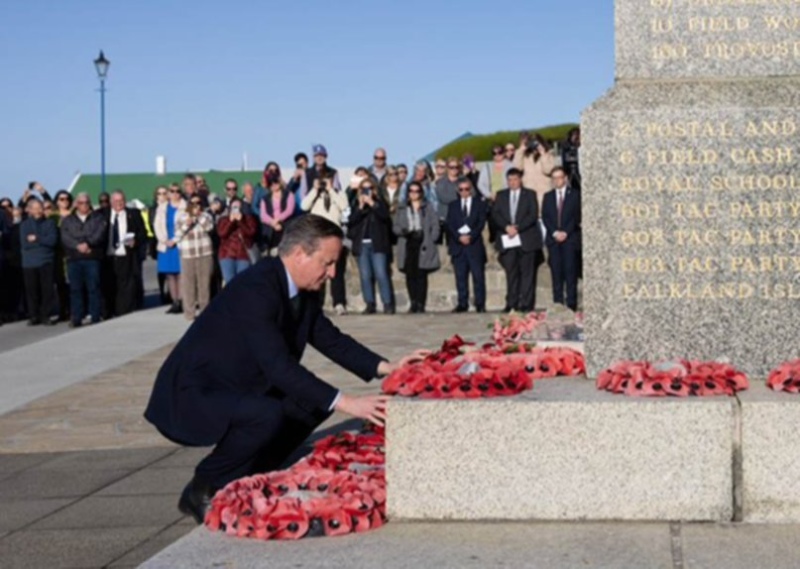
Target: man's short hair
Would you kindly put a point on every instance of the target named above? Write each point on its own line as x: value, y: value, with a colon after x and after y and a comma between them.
x: 558, y: 169
x: 306, y: 232
x: 514, y: 172
x: 191, y: 177
x: 231, y: 180
x: 300, y: 155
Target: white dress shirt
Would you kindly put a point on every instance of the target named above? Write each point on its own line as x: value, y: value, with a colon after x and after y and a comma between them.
x: 123, y: 231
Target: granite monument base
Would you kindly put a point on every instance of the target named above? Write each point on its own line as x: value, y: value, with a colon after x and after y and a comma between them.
x: 563, y: 451
x: 770, y: 456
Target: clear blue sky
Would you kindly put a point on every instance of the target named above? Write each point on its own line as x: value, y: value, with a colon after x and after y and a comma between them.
x: 201, y: 82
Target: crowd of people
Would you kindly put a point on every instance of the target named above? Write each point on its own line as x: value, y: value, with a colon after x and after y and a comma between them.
x: 67, y: 259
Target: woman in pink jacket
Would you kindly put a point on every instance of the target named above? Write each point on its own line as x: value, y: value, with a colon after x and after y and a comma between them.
x: 275, y: 209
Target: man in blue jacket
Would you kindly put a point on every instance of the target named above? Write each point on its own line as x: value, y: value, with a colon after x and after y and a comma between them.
x: 235, y: 379
x: 39, y: 237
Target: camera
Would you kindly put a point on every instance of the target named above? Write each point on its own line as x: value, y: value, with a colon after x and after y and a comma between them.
x: 323, y: 185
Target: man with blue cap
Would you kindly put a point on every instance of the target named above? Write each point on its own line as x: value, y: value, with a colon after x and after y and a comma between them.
x: 319, y: 171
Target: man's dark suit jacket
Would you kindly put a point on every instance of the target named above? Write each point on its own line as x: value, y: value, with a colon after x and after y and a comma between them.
x: 527, y: 219
x: 135, y: 226
x: 476, y: 221
x: 248, y: 342
x: 570, y: 216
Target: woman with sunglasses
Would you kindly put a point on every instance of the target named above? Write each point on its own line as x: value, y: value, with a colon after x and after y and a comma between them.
x: 170, y: 206
x: 370, y: 232
x: 417, y: 227
x: 390, y: 189
x: 62, y: 210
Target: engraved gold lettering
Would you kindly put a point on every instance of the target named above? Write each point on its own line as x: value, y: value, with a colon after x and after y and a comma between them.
x: 693, y: 210
x: 777, y: 156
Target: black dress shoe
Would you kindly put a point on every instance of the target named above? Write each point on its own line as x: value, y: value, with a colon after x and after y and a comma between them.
x: 508, y: 310
x: 459, y: 309
x: 370, y: 309
x: 195, y: 500
x: 34, y: 322
x: 480, y: 309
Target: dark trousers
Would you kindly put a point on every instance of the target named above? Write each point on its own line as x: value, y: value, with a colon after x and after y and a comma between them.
x: 465, y: 265
x: 520, y: 267
x: 416, y: 278
x: 120, y: 283
x: 39, y: 291
x: 84, y: 275
x: 62, y: 288
x: 263, y: 433
x: 338, y: 289
x: 564, y: 269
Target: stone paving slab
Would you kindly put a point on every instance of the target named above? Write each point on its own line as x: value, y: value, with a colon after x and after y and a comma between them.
x: 17, y: 514
x: 113, y: 511
x: 444, y: 545
x: 66, y: 361
x: 56, y: 549
x: 740, y: 546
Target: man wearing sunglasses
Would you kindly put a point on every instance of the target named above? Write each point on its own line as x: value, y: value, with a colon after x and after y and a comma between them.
x: 447, y: 186
x: 378, y: 168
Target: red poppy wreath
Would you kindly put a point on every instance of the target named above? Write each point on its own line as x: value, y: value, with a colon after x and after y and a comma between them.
x: 339, y: 488
x: 786, y: 377
x: 459, y: 370
x: 677, y: 379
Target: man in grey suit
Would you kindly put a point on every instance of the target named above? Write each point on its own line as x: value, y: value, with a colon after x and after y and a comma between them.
x: 519, y: 241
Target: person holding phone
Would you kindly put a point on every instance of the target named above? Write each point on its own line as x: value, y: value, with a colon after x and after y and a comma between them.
x: 535, y: 158
x: 237, y: 233
x: 370, y: 232
x: 326, y: 201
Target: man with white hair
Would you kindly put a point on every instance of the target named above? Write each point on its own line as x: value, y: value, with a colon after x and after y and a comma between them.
x: 125, y: 233
x: 83, y: 235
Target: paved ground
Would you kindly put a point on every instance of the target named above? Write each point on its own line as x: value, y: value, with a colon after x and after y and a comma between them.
x: 65, y: 503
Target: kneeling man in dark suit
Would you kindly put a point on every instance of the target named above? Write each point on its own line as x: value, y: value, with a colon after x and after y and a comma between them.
x: 235, y: 380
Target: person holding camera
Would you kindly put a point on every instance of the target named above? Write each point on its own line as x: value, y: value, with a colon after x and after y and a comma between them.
x: 535, y: 158
x: 326, y: 201
x: 417, y: 227
x: 370, y: 231
x: 237, y: 232
x: 35, y: 190
x: 197, y: 256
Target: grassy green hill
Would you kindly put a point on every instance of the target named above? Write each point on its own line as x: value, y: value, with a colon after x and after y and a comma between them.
x: 480, y: 146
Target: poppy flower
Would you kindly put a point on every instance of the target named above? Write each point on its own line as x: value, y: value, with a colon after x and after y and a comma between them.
x: 289, y: 519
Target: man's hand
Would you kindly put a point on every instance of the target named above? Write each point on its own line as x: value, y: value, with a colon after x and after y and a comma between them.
x: 83, y: 248
x: 464, y: 239
x: 31, y: 238
x: 511, y: 230
x: 560, y: 236
x: 385, y: 368
x: 369, y: 407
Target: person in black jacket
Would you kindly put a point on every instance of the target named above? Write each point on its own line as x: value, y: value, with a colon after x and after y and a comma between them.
x: 561, y: 214
x: 235, y: 381
x: 519, y: 241
x: 83, y: 235
x: 370, y: 231
x: 39, y: 238
x: 466, y: 218
x: 122, y: 267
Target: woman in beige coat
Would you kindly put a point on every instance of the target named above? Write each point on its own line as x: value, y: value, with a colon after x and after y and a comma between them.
x: 535, y: 158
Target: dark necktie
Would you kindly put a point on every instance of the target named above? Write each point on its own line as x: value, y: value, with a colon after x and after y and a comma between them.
x: 297, y: 305
x: 464, y: 208
x: 560, y: 206
x: 115, y: 231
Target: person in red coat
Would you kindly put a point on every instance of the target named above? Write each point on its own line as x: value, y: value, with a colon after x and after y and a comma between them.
x: 237, y: 233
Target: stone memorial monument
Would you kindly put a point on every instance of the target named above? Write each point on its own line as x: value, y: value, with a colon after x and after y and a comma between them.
x: 691, y: 204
